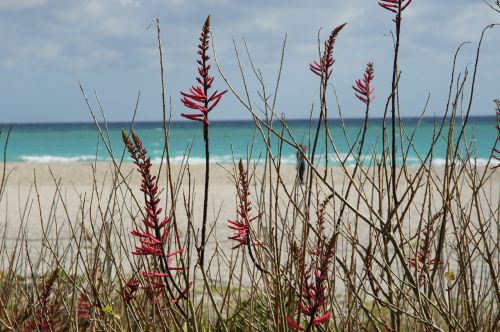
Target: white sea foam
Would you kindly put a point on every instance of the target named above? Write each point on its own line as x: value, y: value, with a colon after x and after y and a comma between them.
x: 441, y: 162
x: 176, y: 160
x: 56, y: 159
x: 290, y: 159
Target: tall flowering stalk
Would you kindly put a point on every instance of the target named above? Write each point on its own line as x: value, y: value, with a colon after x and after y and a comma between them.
x: 397, y: 7
x: 241, y: 226
x: 315, y: 279
x: 201, y: 100
x: 363, y: 90
x: 323, y: 69
x: 153, y: 239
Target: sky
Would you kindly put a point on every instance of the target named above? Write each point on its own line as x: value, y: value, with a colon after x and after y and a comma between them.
x: 109, y: 46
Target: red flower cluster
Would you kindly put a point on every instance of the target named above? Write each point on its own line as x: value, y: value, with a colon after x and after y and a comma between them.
x: 395, y: 6
x: 316, y: 277
x: 423, y: 263
x: 152, y: 240
x: 323, y: 68
x: 314, y: 281
x: 83, y: 308
x: 198, y: 97
x: 314, y: 287
x: 362, y: 89
x: 241, y: 226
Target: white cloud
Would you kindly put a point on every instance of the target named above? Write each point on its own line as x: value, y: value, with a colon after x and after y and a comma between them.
x: 95, y: 36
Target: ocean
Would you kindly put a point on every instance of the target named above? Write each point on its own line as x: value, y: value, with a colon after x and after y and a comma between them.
x: 231, y: 140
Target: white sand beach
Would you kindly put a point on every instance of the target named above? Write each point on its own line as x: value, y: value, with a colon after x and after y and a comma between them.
x: 54, y: 201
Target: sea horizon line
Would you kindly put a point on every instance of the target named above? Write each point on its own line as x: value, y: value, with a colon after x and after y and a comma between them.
x: 218, y: 121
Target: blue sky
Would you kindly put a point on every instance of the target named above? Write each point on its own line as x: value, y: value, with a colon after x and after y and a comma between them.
x: 48, y: 46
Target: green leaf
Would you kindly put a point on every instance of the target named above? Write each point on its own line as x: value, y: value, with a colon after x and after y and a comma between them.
x: 109, y: 310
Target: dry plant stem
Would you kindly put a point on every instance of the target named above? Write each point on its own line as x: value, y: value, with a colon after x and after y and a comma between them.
x: 358, y: 159
x: 393, y: 105
x: 200, y: 101
x: 323, y: 70
x: 168, y: 166
x: 442, y: 230
x: 108, y: 148
x: 205, y: 199
x: 497, y: 8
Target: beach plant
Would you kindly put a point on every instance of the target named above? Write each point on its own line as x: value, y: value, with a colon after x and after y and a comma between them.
x: 154, y: 237
x: 422, y: 262
x: 363, y: 90
x: 335, y: 255
x: 241, y: 226
x: 397, y: 7
x: 203, y: 101
x: 313, y: 295
x: 323, y: 69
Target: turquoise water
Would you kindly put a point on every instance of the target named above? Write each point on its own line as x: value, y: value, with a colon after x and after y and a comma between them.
x: 79, y: 142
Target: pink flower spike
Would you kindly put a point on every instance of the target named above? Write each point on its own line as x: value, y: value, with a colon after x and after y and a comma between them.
x: 153, y: 240
x: 326, y: 61
x: 241, y: 226
x: 197, y: 98
x: 363, y: 90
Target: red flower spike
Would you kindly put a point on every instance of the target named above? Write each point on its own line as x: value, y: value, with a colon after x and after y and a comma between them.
x: 323, y: 68
x: 153, y: 240
x: 241, y: 226
x: 314, y: 282
x: 363, y: 90
x: 197, y: 98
